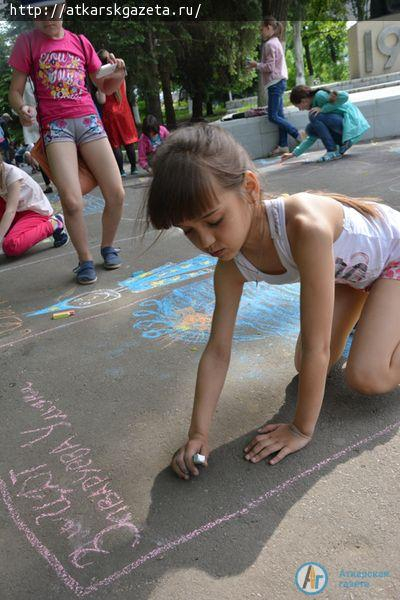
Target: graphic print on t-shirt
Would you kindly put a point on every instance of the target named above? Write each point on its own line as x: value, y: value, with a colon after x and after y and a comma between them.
x: 62, y: 74
x: 353, y: 272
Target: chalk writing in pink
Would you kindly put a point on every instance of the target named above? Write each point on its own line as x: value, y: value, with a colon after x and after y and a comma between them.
x: 82, y: 591
x: 53, y: 501
x: 37, y: 483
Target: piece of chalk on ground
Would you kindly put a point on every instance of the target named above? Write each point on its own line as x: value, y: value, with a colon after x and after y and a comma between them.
x: 199, y: 459
x: 63, y: 315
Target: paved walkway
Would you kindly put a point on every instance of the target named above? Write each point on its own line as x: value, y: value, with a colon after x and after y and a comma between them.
x: 93, y: 407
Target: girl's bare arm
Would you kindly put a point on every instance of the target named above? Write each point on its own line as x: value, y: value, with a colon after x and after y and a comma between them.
x: 312, y: 249
x: 25, y: 112
x: 311, y: 240
x: 13, y: 192
x: 228, y: 285
x: 213, y: 366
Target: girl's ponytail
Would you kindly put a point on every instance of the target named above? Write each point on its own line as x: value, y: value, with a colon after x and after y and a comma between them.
x: 277, y: 26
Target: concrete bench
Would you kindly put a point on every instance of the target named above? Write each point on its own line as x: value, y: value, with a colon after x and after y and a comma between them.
x: 380, y: 107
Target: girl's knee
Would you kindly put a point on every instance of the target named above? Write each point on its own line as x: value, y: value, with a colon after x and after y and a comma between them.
x: 367, y: 381
x: 309, y: 129
x: 313, y: 117
x: 115, y: 197
x: 71, y: 204
x: 11, y: 247
x: 273, y: 117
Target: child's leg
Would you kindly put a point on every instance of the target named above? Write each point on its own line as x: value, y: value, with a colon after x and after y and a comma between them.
x: 276, y: 115
x: 119, y: 158
x: 320, y: 129
x: 45, y: 178
x: 27, y: 229
x: 374, y: 360
x: 98, y: 156
x: 63, y: 163
x: 348, y: 305
x: 334, y: 122
x: 130, y: 151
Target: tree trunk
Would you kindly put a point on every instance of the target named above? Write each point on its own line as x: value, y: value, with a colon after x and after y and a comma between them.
x: 153, y: 104
x: 197, y: 111
x: 332, y: 48
x: 261, y: 97
x: 279, y: 10
x: 310, y: 67
x: 165, y: 77
x: 298, y: 53
x: 152, y: 93
x: 209, y: 108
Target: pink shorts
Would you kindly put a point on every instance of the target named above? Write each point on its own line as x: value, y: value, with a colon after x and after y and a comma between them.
x: 391, y: 271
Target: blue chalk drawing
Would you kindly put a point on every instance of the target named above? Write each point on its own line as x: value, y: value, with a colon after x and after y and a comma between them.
x: 140, y: 281
x: 85, y: 300
x: 115, y: 372
x: 122, y: 348
x: 92, y: 204
x: 185, y: 313
x: 170, y: 273
x: 346, y: 350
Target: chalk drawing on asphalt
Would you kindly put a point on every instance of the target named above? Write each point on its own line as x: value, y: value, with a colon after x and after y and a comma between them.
x: 185, y: 313
x: 140, y: 281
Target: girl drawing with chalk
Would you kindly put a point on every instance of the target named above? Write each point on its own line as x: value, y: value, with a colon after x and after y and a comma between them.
x: 58, y: 61
x: 344, y: 251
x: 26, y: 215
x: 333, y: 119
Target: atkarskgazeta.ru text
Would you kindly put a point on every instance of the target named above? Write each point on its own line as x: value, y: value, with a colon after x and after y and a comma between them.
x: 112, y: 10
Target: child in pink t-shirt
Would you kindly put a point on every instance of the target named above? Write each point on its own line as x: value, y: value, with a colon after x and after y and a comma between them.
x: 153, y: 135
x: 57, y: 61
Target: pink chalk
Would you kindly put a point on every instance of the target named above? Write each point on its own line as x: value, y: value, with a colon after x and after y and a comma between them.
x: 82, y: 591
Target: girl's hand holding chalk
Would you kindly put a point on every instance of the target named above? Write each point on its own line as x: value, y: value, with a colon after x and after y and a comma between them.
x: 282, y: 438
x: 183, y: 460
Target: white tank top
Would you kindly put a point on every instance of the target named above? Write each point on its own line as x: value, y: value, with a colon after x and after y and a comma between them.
x: 363, y: 249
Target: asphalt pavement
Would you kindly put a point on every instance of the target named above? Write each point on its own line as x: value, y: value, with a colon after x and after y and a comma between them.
x: 94, y: 405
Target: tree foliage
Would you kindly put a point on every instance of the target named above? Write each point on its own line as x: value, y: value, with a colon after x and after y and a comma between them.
x: 325, y: 50
x: 207, y: 58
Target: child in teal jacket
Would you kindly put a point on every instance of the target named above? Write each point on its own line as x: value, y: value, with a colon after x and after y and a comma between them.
x: 333, y: 119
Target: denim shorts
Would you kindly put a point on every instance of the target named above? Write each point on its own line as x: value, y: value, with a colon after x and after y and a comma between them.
x: 79, y: 131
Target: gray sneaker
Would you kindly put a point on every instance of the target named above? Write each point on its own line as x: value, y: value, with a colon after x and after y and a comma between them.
x: 111, y: 258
